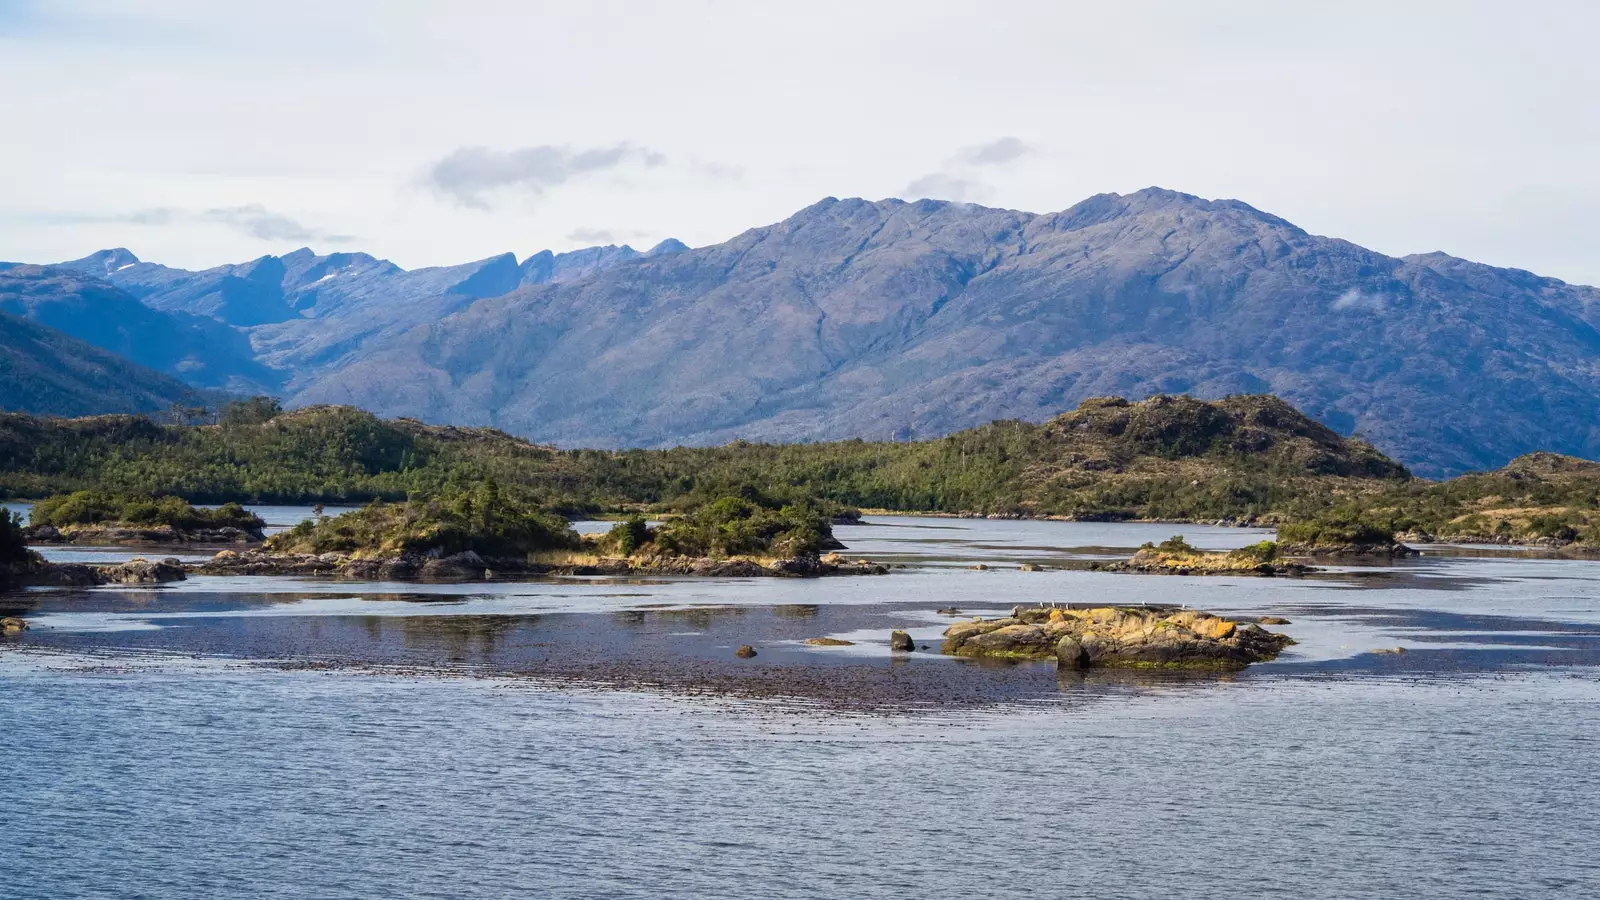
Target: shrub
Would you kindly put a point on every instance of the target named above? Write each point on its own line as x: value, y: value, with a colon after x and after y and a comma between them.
x: 1263, y: 552
x: 732, y: 526
x: 1346, y: 525
x: 1177, y: 545
x: 626, y: 537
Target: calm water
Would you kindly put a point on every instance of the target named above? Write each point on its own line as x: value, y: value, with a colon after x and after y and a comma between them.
x: 150, y: 757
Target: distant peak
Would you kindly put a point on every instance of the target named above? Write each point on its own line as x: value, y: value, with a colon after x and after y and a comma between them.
x: 103, y: 262
x: 670, y: 245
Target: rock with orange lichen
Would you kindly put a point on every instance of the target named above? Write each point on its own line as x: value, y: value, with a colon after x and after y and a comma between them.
x: 1117, y: 637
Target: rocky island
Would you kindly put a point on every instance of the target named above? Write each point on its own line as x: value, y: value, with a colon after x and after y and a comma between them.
x: 480, y: 533
x: 103, y: 518
x: 1175, y: 556
x: 1117, y: 637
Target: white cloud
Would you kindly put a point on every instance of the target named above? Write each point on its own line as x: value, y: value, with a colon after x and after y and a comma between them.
x: 591, y: 236
x: 470, y: 175
x: 944, y: 186
x: 995, y: 153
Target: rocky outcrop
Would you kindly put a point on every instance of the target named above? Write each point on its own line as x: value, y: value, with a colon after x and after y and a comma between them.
x: 40, y: 573
x: 143, y: 571
x: 118, y: 534
x: 1117, y: 637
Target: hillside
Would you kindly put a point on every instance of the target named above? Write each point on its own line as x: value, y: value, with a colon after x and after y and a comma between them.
x: 46, y: 372
x: 1537, y: 498
x: 912, y: 320
x: 1167, y: 457
x: 196, y: 349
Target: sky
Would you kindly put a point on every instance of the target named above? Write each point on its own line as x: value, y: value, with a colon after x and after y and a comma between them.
x: 197, y: 133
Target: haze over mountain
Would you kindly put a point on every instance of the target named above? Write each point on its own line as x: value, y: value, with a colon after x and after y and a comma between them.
x: 198, y: 349
x: 855, y: 318
x: 44, y: 371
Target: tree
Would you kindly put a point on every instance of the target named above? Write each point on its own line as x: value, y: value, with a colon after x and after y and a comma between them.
x: 251, y: 411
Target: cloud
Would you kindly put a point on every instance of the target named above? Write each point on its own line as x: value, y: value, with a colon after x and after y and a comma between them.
x: 996, y: 153
x: 944, y: 186
x: 592, y: 236
x: 259, y: 222
x: 1356, y: 299
x: 251, y: 219
x: 959, y: 179
x: 468, y: 175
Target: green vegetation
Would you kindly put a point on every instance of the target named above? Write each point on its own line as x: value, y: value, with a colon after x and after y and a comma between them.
x: 1341, y: 526
x: 106, y: 508
x: 13, y: 546
x: 1540, y: 497
x: 1247, y: 458
x: 479, y: 518
x: 751, y: 525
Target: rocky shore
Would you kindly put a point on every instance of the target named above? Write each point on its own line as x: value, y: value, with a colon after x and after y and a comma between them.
x: 1117, y: 637
x: 472, y: 566
x: 120, y: 534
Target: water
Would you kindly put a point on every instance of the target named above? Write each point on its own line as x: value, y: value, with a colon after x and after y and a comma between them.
x: 458, y: 743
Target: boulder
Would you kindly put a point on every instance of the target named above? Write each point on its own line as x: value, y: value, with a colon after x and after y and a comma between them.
x: 12, y: 625
x: 745, y: 651
x: 901, y: 642
x: 1070, y: 653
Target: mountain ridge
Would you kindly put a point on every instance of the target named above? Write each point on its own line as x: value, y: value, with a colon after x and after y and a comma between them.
x: 903, y: 318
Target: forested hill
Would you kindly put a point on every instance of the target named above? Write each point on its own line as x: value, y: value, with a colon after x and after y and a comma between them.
x: 1165, y: 457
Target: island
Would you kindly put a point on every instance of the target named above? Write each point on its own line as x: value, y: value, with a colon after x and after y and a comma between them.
x: 107, y: 518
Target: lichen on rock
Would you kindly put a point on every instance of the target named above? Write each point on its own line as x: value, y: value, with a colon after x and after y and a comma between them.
x: 1117, y: 637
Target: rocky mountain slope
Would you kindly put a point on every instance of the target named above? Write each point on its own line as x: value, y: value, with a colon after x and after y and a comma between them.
x: 854, y: 318
x: 306, y: 311
x: 45, y: 371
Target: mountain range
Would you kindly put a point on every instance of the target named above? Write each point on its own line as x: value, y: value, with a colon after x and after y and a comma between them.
x: 880, y: 319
